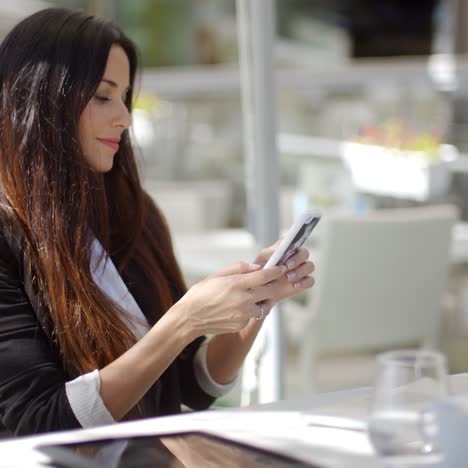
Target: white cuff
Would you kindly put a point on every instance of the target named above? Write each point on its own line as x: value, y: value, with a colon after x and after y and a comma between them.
x: 86, y: 402
x: 204, y: 379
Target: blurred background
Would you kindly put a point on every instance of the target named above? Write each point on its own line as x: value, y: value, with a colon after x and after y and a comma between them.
x: 382, y: 78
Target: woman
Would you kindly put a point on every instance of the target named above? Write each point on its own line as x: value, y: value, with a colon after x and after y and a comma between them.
x: 96, y: 324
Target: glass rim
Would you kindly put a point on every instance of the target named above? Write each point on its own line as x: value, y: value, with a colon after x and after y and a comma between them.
x: 408, y: 357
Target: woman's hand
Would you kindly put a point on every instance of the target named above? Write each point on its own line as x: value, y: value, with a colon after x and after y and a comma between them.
x: 225, y: 302
x: 295, y: 280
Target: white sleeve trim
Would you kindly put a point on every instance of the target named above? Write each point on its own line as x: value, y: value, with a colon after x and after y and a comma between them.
x: 86, y: 402
x: 204, y: 379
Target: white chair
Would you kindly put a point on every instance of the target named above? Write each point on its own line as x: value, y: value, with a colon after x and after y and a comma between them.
x: 380, y: 279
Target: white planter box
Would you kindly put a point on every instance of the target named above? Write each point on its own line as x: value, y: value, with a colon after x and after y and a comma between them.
x: 400, y: 174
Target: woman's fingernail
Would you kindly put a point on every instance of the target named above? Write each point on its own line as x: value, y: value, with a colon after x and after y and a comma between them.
x: 254, y: 266
x: 284, y: 268
x: 290, y: 264
x: 297, y: 285
x: 291, y: 275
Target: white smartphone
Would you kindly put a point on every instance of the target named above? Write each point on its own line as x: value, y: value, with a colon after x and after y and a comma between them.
x: 295, y: 237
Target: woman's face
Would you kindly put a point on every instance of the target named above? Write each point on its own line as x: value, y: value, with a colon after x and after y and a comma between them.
x: 106, y: 116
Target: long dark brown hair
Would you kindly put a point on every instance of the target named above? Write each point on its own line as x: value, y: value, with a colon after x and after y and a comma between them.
x: 51, y: 64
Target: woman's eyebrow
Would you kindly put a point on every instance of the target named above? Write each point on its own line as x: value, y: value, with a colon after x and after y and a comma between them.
x: 114, y: 84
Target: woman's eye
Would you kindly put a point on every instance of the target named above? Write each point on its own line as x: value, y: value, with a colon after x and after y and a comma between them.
x: 101, y: 98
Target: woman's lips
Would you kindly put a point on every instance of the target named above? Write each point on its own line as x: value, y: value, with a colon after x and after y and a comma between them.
x: 114, y: 144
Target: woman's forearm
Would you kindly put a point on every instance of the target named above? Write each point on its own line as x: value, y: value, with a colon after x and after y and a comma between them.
x: 128, y: 378
x: 227, y: 352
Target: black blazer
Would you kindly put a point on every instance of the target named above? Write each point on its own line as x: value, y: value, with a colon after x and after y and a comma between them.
x: 32, y: 377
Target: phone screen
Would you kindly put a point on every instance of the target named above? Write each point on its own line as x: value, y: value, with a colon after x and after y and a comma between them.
x: 299, y: 240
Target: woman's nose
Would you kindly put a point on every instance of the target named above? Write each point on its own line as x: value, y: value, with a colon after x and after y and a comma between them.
x: 123, y: 117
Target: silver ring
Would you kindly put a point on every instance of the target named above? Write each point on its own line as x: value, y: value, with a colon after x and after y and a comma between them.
x: 262, y: 313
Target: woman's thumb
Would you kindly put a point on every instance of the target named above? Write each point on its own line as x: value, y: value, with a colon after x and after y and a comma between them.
x: 238, y: 268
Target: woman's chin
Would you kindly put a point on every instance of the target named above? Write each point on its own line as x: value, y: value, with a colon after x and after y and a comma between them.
x: 103, y: 165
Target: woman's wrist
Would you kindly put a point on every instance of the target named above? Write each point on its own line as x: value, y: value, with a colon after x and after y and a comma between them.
x: 227, y: 352
x: 177, y: 316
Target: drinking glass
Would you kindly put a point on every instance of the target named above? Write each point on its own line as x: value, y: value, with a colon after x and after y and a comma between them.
x: 407, y: 383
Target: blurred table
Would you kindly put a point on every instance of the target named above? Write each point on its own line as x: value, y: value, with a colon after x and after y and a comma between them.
x: 201, y: 254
